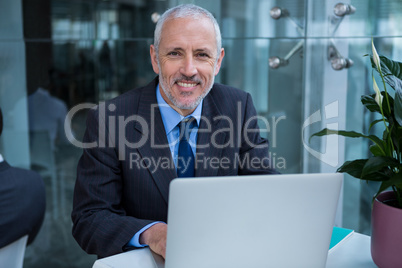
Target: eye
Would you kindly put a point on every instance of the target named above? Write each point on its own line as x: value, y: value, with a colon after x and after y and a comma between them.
x: 203, y: 55
x: 173, y: 53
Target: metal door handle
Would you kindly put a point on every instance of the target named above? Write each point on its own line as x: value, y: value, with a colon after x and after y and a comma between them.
x: 342, y: 9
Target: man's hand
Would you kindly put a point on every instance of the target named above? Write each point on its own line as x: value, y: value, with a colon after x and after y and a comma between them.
x: 155, y: 238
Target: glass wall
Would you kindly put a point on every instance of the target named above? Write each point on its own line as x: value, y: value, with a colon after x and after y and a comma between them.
x: 280, y: 51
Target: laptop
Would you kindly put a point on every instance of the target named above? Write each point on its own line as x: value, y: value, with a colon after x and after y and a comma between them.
x: 251, y: 221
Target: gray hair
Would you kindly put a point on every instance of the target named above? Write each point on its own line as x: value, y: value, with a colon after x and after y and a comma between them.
x: 185, y: 11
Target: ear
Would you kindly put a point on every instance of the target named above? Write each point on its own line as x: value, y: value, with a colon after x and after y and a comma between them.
x: 218, y: 64
x: 154, y: 59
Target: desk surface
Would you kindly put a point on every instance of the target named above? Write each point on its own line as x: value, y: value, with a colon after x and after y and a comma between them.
x: 354, y: 252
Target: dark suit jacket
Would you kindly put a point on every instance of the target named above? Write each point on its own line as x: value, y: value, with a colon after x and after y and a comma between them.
x: 22, y: 203
x: 121, y: 186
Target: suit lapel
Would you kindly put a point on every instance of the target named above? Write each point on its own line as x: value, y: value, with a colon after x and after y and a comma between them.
x: 210, y: 123
x: 156, y: 149
x: 4, y: 165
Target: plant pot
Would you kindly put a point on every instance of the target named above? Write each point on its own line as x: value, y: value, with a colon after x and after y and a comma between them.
x: 386, y: 237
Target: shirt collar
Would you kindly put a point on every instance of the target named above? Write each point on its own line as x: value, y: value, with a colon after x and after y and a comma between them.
x: 1, y: 158
x: 43, y: 91
x: 170, y: 117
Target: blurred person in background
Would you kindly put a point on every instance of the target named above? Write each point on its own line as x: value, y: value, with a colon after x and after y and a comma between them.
x: 22, y: 202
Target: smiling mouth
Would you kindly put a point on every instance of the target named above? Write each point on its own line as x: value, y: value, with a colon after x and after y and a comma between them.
x: 188, y: 85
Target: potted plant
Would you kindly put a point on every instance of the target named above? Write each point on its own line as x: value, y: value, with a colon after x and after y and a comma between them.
x: 385, y: 162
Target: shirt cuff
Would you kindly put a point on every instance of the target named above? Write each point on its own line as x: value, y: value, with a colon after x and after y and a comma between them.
x: 135, y: 240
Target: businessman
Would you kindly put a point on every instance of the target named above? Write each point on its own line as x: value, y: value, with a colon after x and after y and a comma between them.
x: 181, y: 124
x: 22, y: 202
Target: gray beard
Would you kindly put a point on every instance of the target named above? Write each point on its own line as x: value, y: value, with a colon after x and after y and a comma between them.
x: 191, y: 106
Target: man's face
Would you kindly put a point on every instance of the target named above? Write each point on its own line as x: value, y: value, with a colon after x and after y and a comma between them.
x: 187, y: 62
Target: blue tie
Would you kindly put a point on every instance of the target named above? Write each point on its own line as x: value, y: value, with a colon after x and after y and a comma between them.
x: 185, y: 157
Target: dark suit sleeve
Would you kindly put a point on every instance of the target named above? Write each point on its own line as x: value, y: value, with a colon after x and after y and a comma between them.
x: 100, y: 223
x: 22, y: 204
x: 253, y: 153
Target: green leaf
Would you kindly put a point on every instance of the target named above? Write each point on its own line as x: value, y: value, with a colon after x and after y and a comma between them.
x: 395, y: 180
x: 370, y: 103
x: 375, y: 122
x: 353, y: 168
x: 326, y: 131
x: 350, y: 134
x: 384, y: 186
x: 397, y: 138
x: 391, y: 70
x: 376, y: 150
x: 387, y: 113
x: 388, y: 66
x: 398, y: 106
x: 391, y: 67
x: 388, y: 140
x: 377, y: 164
x: 376, y: 176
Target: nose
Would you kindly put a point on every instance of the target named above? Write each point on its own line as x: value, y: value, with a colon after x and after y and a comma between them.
x: 188, y: 68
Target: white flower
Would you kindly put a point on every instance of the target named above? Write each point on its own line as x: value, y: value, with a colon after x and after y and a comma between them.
x: 378, y: 96
x: 376, y: 58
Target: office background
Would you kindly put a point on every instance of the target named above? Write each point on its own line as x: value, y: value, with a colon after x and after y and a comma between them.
x: 87, y: 51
